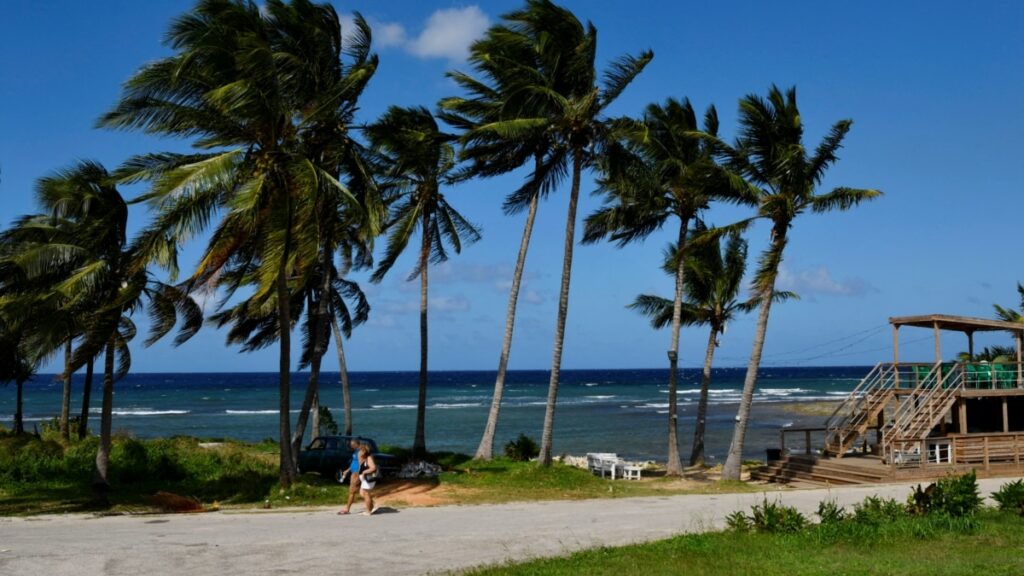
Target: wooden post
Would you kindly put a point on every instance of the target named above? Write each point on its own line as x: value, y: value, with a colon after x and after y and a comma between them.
x: 938, y: 343
x: 1020, y: 379
x: 807, y: 441
x: 986, y: 453
x: 963, y: 416
x: 1016, y: 449
x: 970, y: 345
x: 1006, y: 417
x: 896, y: 353
x: 881, y: 424
x: 923, y: 456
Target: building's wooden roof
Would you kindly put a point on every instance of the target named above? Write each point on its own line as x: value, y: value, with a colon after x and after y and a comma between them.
x: 958, y: 323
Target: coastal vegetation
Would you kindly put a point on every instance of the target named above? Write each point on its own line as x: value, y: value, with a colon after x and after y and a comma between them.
x: 878, y: 536
x: 290, y: 191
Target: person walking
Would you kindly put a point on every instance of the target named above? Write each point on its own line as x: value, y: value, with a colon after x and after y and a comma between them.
x: 352, y: 475
x: 368, y: 476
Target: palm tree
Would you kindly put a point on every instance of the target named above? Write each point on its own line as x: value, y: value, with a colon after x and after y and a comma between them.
x: 85, y: 237
x: 770, y: 154
x: 658, y: 170
x: 714, y: 277
x: 17, y: 364
x: 1008, y: 314
x: 568, y: 105
x: 246, y: 82
x: 505, y: 61
x: 416, y: 158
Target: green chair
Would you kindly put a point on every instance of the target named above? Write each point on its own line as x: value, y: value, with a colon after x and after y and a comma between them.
x: 972, y: 376
x: 984, y: 375
x: 1005, y: 376
x: 920, y: 375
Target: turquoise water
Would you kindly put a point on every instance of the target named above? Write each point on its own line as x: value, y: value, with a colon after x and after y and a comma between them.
x: 620, y: 411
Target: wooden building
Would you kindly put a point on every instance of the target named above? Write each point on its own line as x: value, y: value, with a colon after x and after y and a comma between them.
x: 917, y: 419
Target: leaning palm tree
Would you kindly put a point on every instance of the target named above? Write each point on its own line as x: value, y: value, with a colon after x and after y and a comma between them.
x: 245, y: 81
x: 505, y: 60
x: 416, y: 158
x: 770, y: 154
x: 654, y: 172
x: 17, y: 364
x: 714, y: 277
x: 1008, y: 314
x: 86, y: 239
x: 569, y: 105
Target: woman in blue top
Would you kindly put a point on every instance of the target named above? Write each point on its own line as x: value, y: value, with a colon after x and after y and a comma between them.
x: 352, y: 475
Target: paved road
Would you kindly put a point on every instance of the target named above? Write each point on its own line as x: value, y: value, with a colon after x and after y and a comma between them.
x: 407, y: 541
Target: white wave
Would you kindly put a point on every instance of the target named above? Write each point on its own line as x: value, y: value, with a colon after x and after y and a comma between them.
x: 652, y: 405
x: 662, y: 411
x: 394, y: 406
x: 782, y: 391
x: 457, y: 405
x: 602, y: 397
x: 590, y: 384
x: 372, y: 390
x: 243, y: 412
x: 131, y: 412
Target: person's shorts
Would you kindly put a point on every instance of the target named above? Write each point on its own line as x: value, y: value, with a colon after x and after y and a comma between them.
x: 364, y: 485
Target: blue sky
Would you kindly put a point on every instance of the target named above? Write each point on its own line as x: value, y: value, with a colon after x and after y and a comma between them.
x: 934, y: 89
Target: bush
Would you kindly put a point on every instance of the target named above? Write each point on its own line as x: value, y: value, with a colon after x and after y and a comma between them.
x: 830, y: 512
x: 327, y: 422
x: 1010, y: 496
x: 738, y: 522
x: 773, y: 517
x: 875, y: 511
x: 522, y: 449
x: 956, y: 496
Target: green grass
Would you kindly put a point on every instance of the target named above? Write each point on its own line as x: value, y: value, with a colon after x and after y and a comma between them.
x: 43, y: 475
x: 993, y: 546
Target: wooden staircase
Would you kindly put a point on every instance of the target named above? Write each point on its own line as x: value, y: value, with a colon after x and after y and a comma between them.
x: 919, y: 414
x: 860, y: 409
x: 806, y: 471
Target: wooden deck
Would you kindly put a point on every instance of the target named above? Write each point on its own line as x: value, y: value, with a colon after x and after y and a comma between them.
x: 806, y: 471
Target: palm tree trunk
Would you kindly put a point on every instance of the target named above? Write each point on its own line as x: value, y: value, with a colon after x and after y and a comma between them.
x: 319, y: 347
x: 19, y: 421
x: 65, y: 403
x: 697, y: 455
x: 287, y: 466
x: 674, y: 466
x: 83, y: 419
x: 563, y: 310
x: 100, y: 478
x: 733, y: 463
x: 486, y: 448
x: 419, y: 444
x: 314, y: 415
x: 346, y: 397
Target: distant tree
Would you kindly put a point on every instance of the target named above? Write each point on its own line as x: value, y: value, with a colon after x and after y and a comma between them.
x: 770, y: 154
x: 657, y: 171
x: 416, y: 160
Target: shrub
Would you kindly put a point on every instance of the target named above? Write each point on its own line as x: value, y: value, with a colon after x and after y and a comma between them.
x: 327, y: 422
x: 956, y: 496
x: 737, y: 522
x: 774, y: 517
x: 830, y: 512
x: 1010, y: 496
x: 875, y: 511
x: 522, y: 448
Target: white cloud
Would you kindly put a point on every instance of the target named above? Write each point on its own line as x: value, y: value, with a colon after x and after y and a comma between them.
x: 449, y: 32
x: 533, y: 297
x: 818, y: 281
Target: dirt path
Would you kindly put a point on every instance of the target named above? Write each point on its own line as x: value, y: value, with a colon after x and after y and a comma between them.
x: 396, y: 541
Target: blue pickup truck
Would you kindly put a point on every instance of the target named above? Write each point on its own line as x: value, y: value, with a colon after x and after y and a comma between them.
x: 331, y: 455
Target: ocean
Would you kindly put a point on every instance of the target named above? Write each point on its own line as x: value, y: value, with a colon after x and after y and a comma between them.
x: 621, y: 411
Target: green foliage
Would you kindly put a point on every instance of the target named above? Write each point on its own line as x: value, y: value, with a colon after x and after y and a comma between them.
x: 830, y: 513
x: 956, y: 496
x: 875, y: 511
x: 327, y: 422
x: 738, y: 522
x: 1010, y: 496
x: 521, y: 449
x: 774, y: 517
